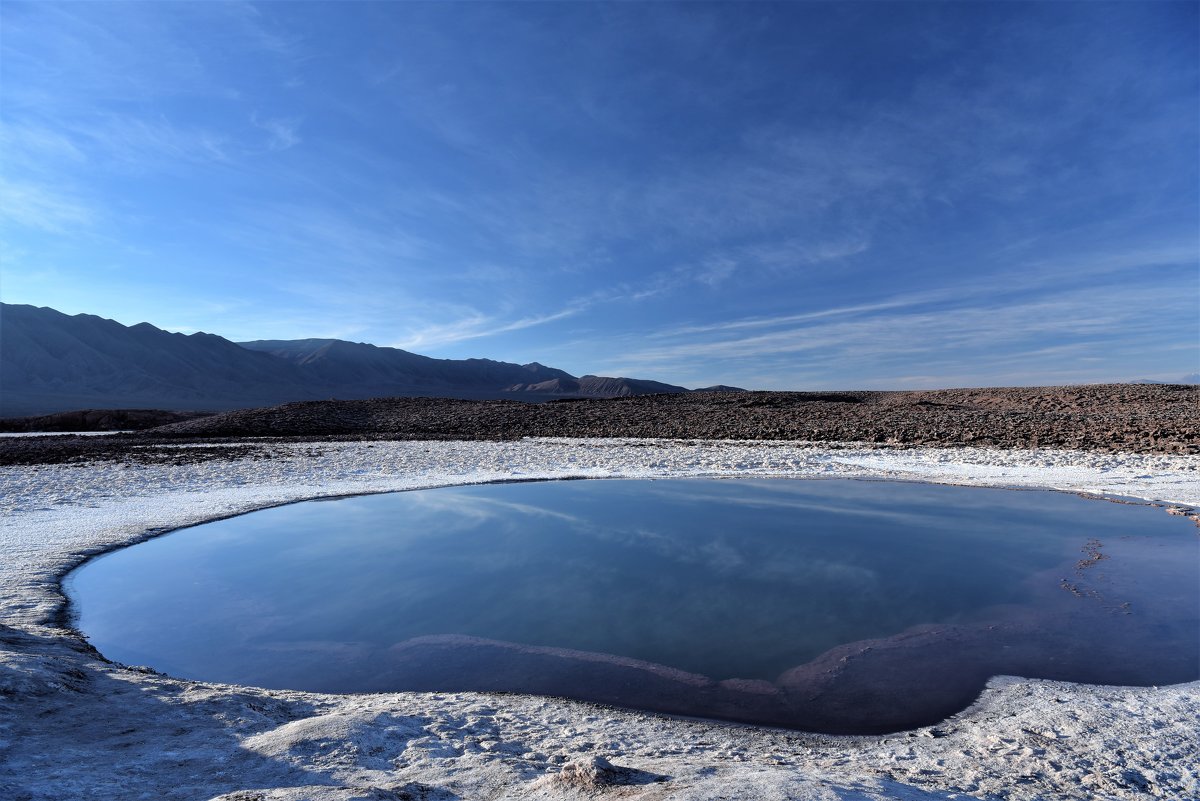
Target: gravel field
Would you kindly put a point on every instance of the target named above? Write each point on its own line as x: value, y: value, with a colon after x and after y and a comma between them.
x: 1129, y: 418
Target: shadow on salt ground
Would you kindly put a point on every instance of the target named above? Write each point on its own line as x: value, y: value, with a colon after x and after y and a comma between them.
x: 413, y: 791
x: 894, y: 791
x: 73, y: 726
x: 596, y: 777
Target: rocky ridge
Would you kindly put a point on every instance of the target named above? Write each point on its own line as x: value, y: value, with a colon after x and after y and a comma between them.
x: 1137, y: 418
x: 1132, y: 418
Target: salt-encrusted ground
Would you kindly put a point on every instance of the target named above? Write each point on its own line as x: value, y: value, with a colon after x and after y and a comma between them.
x: 74, y: 726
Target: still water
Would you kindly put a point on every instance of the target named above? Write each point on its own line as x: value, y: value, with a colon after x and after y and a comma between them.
x: 844, y: 606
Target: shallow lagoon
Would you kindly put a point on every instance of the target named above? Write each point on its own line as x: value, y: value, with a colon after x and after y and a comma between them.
x: 832, y: 605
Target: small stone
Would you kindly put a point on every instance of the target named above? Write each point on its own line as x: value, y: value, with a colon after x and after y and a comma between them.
x: 592, y: 773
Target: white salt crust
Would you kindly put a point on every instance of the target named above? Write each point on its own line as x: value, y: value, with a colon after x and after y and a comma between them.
x: 74, y: 726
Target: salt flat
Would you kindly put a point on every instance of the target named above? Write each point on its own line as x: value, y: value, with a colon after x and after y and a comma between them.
x: 75, y: 726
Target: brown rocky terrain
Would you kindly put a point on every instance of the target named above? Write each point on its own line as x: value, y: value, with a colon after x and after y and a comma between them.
x: 1136, y: 418
x: 97, y: 420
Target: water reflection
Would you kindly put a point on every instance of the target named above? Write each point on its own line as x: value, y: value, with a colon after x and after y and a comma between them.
x: 832, y: 605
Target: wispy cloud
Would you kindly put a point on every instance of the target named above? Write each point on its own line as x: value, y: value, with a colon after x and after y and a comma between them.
x: 772, y: 258
x: 476, y: 326
x: 323, y: 235
x: 38, y: 148
x: 40, y: 207
x: 482, y: 510
x: 791, y: 319
x: 1002, y: 337
x: 150, y: 142
x: 284, y: 133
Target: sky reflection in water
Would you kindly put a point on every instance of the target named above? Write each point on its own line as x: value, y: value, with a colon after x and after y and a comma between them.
x: 743, y: 579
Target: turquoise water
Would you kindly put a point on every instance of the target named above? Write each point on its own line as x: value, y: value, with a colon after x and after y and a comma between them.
x: 830, y: 605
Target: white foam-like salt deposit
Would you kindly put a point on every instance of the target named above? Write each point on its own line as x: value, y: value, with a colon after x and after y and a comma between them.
x: 74, y: 726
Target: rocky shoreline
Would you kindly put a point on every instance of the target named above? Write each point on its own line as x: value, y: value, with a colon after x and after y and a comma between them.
x: 1128, y: 418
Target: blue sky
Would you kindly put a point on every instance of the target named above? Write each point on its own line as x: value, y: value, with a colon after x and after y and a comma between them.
x: 795, y: 196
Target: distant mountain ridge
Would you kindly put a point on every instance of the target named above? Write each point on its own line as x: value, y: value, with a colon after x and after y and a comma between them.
x: 594, y: 386
x: 52, y: 362
x: 338, y: 363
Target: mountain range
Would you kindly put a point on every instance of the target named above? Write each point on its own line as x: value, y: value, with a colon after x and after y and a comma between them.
x: 52, y: 362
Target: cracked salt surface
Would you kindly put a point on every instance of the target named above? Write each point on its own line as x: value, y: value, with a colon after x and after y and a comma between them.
x: 74, y: 726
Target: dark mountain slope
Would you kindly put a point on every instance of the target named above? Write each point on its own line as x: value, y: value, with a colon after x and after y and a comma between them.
x: 391, y: 371
x: 52, y: 362
x: 594, y: 386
